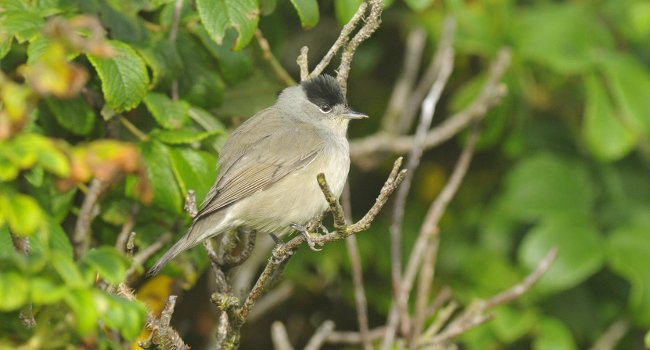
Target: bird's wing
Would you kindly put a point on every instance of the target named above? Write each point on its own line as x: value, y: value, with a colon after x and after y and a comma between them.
x: 272, y: 148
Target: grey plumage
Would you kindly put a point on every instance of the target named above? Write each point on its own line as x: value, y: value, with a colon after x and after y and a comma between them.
x: 268, y: 166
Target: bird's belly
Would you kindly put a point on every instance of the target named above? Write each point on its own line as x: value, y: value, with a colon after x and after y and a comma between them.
x: 297, y: 198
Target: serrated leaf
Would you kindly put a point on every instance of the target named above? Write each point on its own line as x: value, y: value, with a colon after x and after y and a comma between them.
x: 219, y: 15
x: 627, y: 255
x: 108, y: 263
x: 124, y: 77
x: 23, y: 24
x: 182, y: 136
x: 82, y: 304
x: 166, y: 193
x: 14, y: 290
x: 580, y: 252
x: 233, y: 65
x: 74, y: 114
x: 307, y: 11
x: 607, y: 137
x: 194, y: 170
x: 169, y: 114
x: 565, y: 187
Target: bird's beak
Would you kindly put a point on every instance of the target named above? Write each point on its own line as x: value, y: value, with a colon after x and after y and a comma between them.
x: 354, y: 115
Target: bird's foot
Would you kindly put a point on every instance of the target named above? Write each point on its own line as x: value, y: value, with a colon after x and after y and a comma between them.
x: 277, y: 257
x: 305, y: 233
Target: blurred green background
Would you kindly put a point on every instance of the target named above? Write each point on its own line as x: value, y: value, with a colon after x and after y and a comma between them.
x: 563, y: 160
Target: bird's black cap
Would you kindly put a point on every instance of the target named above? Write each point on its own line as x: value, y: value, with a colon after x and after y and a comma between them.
x: 324, y: 89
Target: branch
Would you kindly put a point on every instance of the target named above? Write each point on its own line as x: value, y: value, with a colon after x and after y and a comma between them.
x: 280, y: 337
x: 491, y: 94
x: 162, y: 334
x: 320, y: 336
x: 426, y: 230
x: 280, y: 73
x: 353, y: 338
x: 81, y: 237
x: 444, y: 62
x: 612, y: 335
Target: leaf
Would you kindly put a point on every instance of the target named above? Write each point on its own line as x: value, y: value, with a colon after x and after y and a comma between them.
x: 418, y: 5
x: 14, y: 289
x: 126, y: 316
x: 580, y: 252
x: 124, y: 77
x: 565, y: 187
x: 24, y: 25
x: 307, y: 11
x: 219, y: 15
x: 85, y: 310
x: 199, y: 84
x: 553, y: 334
x: 27, y: 150
x: 44, y: 291
x: 165, y: 189
x: 108, y: 263
x: 607, y: 137
x: 345, y: 9
x: 22, y: 213
x: 234, y: 66
x: 169, y: 114
x: 74, y: 114
x: 629, y: 80
x: 194, y: 170
x: 627, y: 255
x: 183, y: 136
x: 67, y: 269
x: 164, y: 61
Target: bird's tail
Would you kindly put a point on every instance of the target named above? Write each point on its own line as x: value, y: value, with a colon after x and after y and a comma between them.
x: 202, y: 229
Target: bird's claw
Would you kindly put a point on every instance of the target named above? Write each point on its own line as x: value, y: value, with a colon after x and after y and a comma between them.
x: 276, y: 257
x: 305, y: 233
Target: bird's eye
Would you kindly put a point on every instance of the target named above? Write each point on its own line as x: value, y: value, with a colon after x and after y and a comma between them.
x: 325, y: 108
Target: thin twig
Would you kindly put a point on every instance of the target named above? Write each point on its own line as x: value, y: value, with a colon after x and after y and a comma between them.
x: 303, y: 63
x: 426, y: 230
x: 353, y: 338
x: 425, y: 282
x: 340, y: 41
x: 371, y: 23
x: 280, y: 73
x: 404, y: 84
x: 143, y: 255
x: 271, y: 300
x: 127, y: 227
x: 491, y: 94
x: 443, y: 60
x: 162, y: 334
x: 81, y: 238
x: 357, y: 273
x: 320, y: 336
x: 173, y: 35
x: 614, y: 333
x: 280, y: 337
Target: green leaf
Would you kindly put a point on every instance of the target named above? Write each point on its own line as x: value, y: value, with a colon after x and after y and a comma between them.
x: 21, y: 212
x: 74, y: 114
x: 6, y: 244
x: 169, y: 114
x: 124, y: 77
x: 44, y: 291
x: 126, y: 316
x: 194, y: 170
x: 67, y: 269
x: 25, y: 25
x: 234, y: 66
x: 14, y: 290
x: 553, y: 334
x: 28, y: 149
x: 580, y: 252
x: 182, y: 136
x: 565, y: 187
x: 51, y: 238
x: 307, y: 11
x: 418, y: 5
x: 219, y: 15
x: 5, y: 44
x: 108, y: 263
x: 8, y: 171
x: 629, y: 80
x: 200, y: 84
x: 85, y: 310
x: 627, y: 255
x: 607, y: 137
x: 163, y: 60
x: 345, y: 9
x: 571, y: 45
x: 159, y: 171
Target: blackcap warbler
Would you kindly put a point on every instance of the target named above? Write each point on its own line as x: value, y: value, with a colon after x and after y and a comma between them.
x: 268, y: 166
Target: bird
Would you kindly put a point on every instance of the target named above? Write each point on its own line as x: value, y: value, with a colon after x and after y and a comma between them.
x: 268, y: 167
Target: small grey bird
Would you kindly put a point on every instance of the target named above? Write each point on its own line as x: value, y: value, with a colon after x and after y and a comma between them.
x: 268, y: 166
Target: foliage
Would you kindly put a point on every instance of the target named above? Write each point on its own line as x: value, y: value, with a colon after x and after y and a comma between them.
x: 123, y: 92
